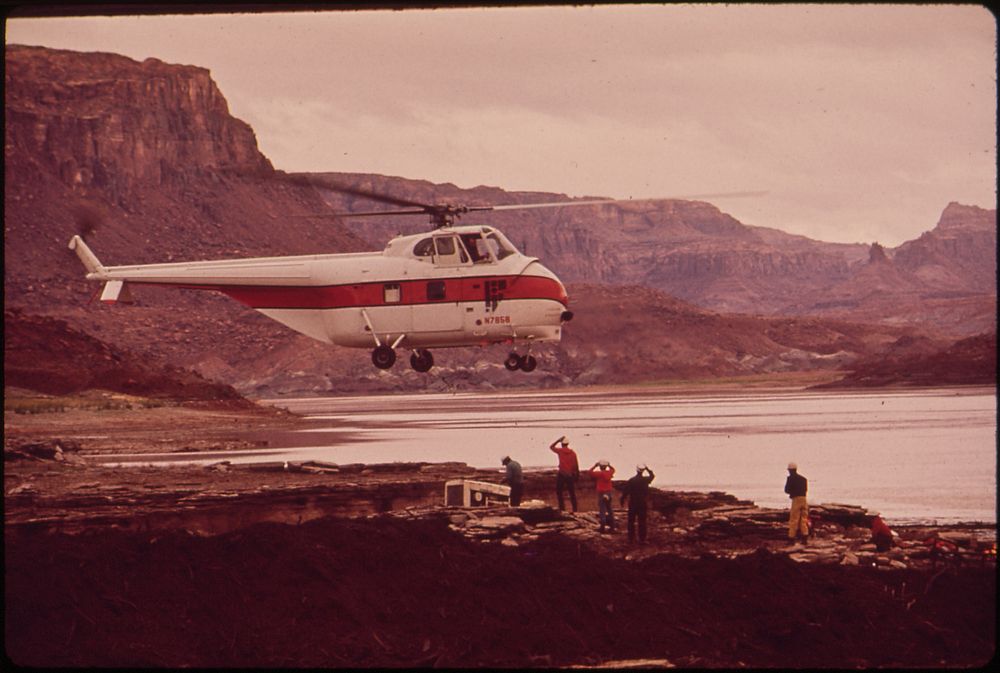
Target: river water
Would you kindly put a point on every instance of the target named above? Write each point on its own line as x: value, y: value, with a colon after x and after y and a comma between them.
x: 915, y: 456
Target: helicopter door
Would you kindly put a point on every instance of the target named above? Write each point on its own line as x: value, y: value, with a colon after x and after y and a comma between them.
x: 449, y: 251
x: 392, y: 317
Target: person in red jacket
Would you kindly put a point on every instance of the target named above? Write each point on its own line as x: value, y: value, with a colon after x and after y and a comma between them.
x: 602, y: 472
x: 569, y: 471
x: 881, y: 534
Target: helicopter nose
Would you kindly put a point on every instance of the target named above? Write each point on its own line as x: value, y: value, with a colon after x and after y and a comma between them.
x: 566, y: 316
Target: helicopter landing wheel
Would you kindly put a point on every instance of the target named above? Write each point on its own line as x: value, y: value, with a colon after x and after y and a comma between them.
x: 383, y: 357
x: 422, y: 360
x: 528, y: 363
x: 513, y: 362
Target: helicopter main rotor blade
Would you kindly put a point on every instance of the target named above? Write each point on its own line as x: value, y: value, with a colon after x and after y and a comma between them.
x: 445, y: 213
x: 421, y: 211
x: 552, y: 204
x: 364, y: 193
x: 593, y: 202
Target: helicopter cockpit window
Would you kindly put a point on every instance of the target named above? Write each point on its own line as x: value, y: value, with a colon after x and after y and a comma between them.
x: 425, y: 248
x: 501, y: 247
x: 477, y: 247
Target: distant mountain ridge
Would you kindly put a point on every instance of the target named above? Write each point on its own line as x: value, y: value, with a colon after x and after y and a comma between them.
x: 146, y: 158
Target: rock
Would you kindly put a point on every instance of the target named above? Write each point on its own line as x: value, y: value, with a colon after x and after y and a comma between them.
x: 319, y: 469
x: 449, y: 467
x: 555, y: 525
x: 496, y: 523
x: 626, y: 664
x: 850, y: 559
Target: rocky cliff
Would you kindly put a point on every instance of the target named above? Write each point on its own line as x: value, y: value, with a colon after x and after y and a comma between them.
x: 114, y: 123
x: 959, y: 255
x: 945, y: 279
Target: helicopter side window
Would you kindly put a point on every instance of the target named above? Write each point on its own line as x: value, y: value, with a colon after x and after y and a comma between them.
x: 391, y: 293
x: 435, y: 290
x: 449, y: 251
x: 424, y: 248
x: 445, y: 245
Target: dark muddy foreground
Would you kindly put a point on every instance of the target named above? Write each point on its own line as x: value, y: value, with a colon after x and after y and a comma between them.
x: 387, y: 591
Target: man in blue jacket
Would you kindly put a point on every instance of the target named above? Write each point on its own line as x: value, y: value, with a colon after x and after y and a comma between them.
x: 637, y: 491
x: 515, y: 479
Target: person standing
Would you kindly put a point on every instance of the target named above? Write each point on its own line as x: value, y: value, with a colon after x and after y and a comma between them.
x: 798, y: 516
x: 515, y: 479
x: 637, y: 491
x: 602, y: 472
x: 569, y: 471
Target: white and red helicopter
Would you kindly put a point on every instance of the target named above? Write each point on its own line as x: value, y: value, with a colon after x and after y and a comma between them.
x: 454, y: 286
x: 458, y: 285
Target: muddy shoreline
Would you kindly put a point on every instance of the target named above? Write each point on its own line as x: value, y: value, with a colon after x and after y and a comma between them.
x: 363, y: 565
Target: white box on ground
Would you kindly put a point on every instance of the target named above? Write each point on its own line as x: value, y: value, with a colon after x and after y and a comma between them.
x: 468, y: 493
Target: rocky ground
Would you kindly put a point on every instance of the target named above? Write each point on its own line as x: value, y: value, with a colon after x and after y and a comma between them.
x: 363, y: 565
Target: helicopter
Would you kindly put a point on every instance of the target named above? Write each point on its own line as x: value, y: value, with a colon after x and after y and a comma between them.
x: 456, y: 285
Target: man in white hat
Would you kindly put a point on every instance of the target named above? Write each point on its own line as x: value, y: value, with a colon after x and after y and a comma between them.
x: 798, y: 516
x: 602, y: 472
x: 637, y: 491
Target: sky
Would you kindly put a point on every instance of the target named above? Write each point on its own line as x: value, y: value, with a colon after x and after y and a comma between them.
x: 859, y: 122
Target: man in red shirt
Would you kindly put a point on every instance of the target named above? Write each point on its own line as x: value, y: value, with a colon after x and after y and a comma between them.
x: 602, y: 472
x: 569, y: 471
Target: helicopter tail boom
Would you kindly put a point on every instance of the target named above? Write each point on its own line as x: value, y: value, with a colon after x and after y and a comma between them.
x: 86, y: 255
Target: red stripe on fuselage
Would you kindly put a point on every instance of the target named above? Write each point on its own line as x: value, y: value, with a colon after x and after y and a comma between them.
x: 373, y: 294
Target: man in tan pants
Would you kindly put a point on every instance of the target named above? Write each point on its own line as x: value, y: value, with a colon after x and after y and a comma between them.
x: 798, y: 517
